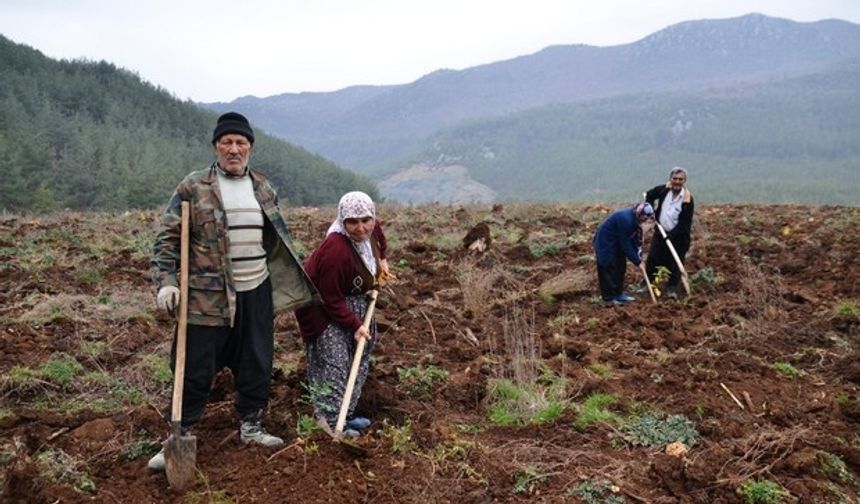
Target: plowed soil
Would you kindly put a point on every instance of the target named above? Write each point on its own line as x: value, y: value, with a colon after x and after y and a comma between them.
x: 762, y: 360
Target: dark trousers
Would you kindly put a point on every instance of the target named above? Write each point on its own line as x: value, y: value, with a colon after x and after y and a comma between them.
x: 246, y: 349
x: 610, y: 276
x: 660, y: 255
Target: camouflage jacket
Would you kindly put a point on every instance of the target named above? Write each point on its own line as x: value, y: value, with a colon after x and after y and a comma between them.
x: 211, y: 291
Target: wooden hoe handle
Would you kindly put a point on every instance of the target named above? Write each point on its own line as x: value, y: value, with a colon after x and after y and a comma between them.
x: 353, y: 372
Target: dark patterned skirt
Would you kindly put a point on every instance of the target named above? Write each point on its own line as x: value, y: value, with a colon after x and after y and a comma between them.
x: 330, y: 359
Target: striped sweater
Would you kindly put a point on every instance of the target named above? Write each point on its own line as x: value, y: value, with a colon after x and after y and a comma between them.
x: 245, y: 231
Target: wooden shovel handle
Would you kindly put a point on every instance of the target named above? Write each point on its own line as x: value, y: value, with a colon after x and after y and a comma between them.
x: 353, y: 372
x: 181, y: 329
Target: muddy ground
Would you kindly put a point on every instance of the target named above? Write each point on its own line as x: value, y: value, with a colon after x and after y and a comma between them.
x: 759, y: 367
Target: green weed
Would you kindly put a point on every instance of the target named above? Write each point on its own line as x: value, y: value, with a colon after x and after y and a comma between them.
x: 788, y: 370
x: 706, y: 276
x: 400, y: 437
x: 315, y: 394
x: 594, y: 410
x: 566, y: 319
x: 600, y: 369
x: 528, y: 403
x: 307, y: 426
x: 58, y: 466
x: 23, y: 378
x: 454, y: 455
x: 158, y: 368
x: 93, y: 349
x: 650, y: 429
x: 584, y: 260
x: 90, y: 276
x: 603, y: 492
x: 142, y: 446
x: 421, y: 380
x: 847, y: 309
x: 539, y: 250
x: 547, y: 298
x: 467, y: 428
x: 208, y: 496
x: 527, y: 479
x: 762, y: 492
x: 834, y: 468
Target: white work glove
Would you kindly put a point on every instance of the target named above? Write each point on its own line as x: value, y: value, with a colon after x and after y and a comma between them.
x: 168, y: 299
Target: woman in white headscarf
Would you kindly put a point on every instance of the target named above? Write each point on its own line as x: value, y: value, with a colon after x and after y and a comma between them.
x: 344, y: 267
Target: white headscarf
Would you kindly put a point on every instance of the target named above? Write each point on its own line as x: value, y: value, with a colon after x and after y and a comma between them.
x: 355, y: 205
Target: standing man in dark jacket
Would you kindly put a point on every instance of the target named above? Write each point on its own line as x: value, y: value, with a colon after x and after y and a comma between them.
x: 241, y: 268
x: 673, y: 205
x: 619, y: 238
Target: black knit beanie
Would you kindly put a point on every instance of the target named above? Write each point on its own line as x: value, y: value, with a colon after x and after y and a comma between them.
x: 233, y: 122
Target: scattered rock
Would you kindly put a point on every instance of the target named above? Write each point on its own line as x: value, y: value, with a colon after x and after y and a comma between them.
x: 677, y: 449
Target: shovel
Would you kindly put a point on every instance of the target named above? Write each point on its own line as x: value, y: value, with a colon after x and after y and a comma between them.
x: 180, y: 451
x: 683, y: 271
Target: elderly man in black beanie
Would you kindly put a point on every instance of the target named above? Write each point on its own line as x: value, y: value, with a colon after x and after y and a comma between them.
x: 241, y: 269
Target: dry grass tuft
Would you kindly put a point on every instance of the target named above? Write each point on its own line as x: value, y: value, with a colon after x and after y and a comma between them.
x: 477, y: 285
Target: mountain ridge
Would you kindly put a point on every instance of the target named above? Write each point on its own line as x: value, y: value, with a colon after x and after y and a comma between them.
x: 390, y: 122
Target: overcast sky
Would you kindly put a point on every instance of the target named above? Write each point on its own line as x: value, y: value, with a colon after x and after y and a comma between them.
x: 218, y: 50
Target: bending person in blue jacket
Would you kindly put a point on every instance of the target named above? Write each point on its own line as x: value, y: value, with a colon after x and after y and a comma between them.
x: 619, y: 238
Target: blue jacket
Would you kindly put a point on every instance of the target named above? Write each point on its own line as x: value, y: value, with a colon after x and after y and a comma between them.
x: 618, y: 234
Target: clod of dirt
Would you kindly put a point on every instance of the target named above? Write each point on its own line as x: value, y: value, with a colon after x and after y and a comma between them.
x: 802, y: 462
x: 95, y: 434
x: 850, y: 408
x: 850, y: 368
x: 478, y: 238
x: 20, y: 482
x: 670, y: 471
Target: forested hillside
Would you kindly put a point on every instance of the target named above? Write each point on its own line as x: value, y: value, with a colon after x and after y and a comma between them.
x: 87, y: 135
x: 793, y: 140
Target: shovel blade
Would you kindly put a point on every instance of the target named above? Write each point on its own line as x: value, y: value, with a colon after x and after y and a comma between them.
x: 180, y: 460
